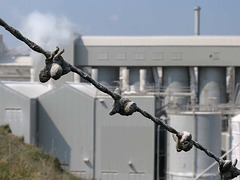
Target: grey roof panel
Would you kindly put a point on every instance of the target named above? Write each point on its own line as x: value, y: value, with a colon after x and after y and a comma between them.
x: 28, y: 89
x: 86, y: 88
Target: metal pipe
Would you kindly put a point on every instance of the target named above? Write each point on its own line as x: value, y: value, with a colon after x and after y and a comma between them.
x: 94, y: 73
x: 193, y: 85
x: 197, y: 20
x: 142, y: 79
x: 125, y: 79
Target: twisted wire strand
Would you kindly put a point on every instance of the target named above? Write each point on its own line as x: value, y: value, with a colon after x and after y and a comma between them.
x: 209, y: 153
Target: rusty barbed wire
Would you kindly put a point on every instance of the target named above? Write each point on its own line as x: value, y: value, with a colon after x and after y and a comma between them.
x: 56, y: 66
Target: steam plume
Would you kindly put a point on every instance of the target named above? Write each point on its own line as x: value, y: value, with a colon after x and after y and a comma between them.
x: 48, y: 31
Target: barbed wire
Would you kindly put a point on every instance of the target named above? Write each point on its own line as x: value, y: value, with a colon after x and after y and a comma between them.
x: 56, y: 66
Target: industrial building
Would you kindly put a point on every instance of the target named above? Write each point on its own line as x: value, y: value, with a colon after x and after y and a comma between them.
x: 18, y: 107
x: 193, y: 75
x: 89, y: 141
x: 194, y: 78
x: 14, y: 66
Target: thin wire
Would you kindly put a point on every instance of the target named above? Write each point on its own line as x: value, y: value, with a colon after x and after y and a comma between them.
x: 213, y: 164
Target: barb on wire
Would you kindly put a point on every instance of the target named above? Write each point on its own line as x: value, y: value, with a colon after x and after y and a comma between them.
x: 56, y: 66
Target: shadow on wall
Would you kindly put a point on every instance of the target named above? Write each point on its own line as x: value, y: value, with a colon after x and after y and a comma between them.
x: 50, y: 139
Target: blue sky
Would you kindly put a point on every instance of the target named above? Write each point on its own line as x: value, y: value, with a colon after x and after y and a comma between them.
x: 129, y: 17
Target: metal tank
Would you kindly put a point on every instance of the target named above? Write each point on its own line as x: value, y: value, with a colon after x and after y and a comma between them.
x: 176, y: 80
x: 140, y: 78
x: 212, y: 86
x: 108, y: 76
x: 205, y: 128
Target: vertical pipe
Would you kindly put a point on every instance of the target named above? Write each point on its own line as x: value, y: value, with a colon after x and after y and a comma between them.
x: 94, y: 73
x: 143, y: 79
x: 193, y: 85
x: 125, y: 79
x: 197, y: 20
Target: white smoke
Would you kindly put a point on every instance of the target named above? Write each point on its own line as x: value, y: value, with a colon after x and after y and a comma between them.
x: 48, y: 31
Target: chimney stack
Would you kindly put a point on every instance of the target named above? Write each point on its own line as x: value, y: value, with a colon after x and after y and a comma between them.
x: 197, y: 20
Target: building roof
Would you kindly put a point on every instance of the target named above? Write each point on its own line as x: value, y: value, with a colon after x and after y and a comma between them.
x: 28, y: 89
x: 15, y: 61
x: 159, y: 41
x: 86, y: 88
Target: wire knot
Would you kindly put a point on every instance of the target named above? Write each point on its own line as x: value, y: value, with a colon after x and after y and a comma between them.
x: 123, y: 106
x: 228, y: 169
x: 55, y: 66
x: 183, y: 141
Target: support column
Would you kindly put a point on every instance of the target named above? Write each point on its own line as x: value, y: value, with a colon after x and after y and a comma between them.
x: 125, y: 79
x: 143, y: 79
x: 94, y: 73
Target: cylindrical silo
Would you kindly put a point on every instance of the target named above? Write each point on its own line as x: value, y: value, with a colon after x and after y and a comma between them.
x: 205, y: 128
x: 140, y: 78
x: 175, y: 80
x: 108, y: 76
x: 212, y: 85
